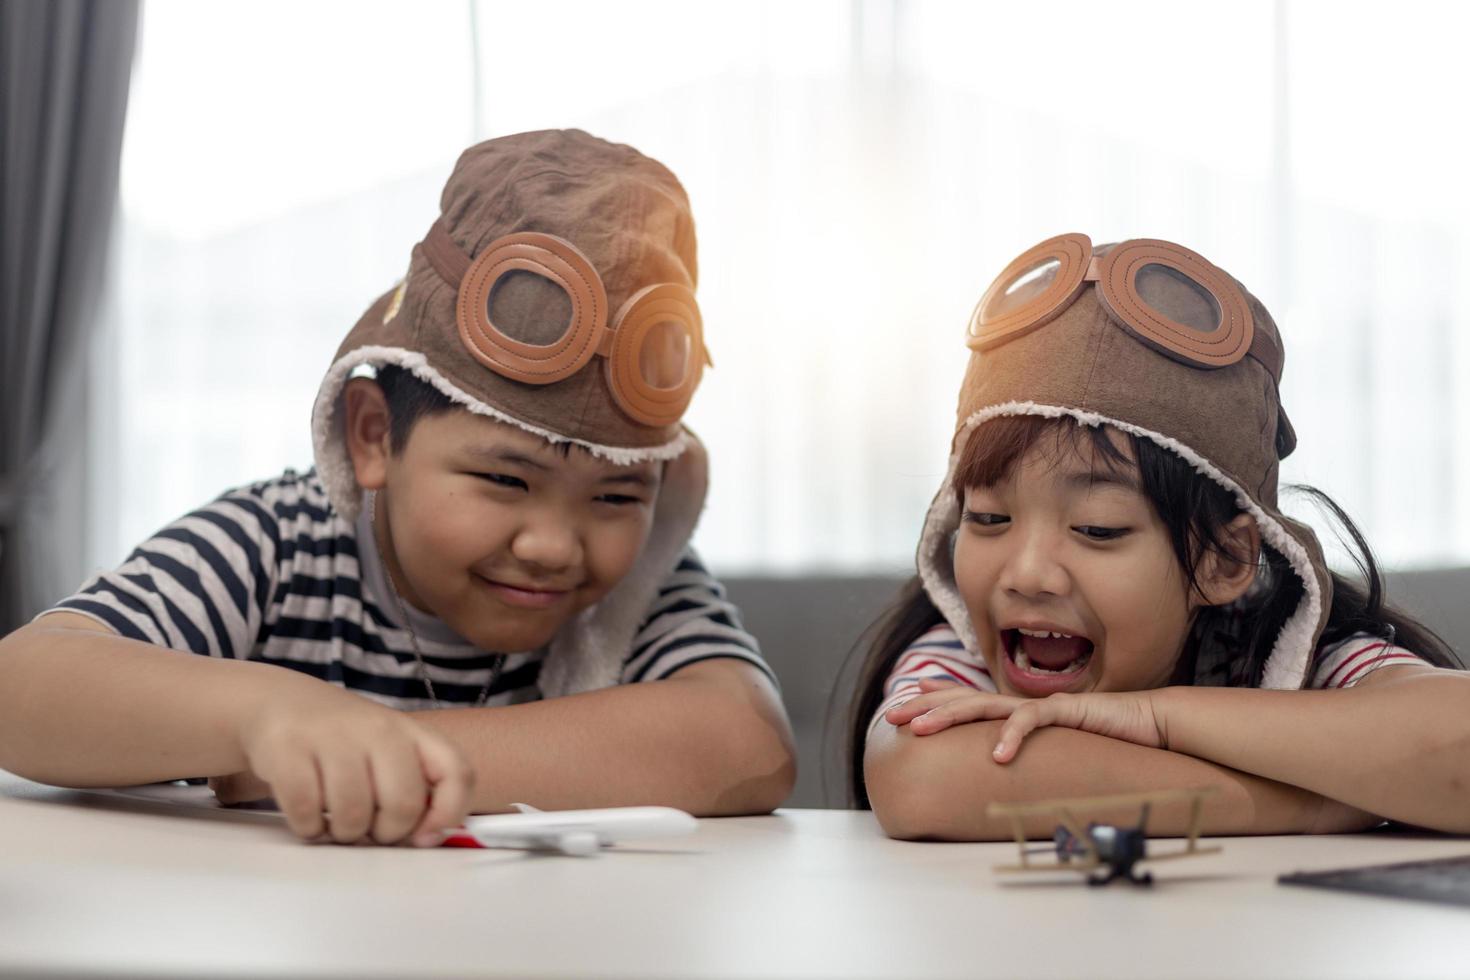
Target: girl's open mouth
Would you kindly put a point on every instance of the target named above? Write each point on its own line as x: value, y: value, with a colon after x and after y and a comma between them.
x: 1043, y: 661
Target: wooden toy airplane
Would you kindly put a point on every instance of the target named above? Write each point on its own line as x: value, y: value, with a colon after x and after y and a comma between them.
x: 1110, y: 849
x: 574, y: 832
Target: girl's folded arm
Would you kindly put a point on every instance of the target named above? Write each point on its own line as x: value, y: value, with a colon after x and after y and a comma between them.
x: 1397, y: 744
x: 936, y: 787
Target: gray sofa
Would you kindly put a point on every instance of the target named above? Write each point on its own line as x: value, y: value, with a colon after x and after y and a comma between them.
x: 809, y: 629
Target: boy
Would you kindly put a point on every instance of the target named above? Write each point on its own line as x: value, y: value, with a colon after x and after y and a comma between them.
x: 498, y: 523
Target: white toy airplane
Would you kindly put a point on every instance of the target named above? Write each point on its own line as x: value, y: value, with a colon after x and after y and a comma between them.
x: 576, y: 832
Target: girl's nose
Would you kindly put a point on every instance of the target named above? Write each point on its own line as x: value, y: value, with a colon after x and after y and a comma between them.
x: 1033, y: 569
x: 548, y: 540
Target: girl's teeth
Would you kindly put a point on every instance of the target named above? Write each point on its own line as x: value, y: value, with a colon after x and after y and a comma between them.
x: 1024, y: 662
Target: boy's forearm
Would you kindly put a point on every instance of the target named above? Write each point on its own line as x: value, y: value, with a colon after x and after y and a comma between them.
x: 693, y: 741
x: 1399, y: 748
x: 87, y: 708
x: 937, y: 787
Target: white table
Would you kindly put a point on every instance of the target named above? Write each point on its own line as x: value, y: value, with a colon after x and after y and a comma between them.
x: 92, y: 884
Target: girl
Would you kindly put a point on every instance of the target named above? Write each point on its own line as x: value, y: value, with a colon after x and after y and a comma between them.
x: 1109, y: 600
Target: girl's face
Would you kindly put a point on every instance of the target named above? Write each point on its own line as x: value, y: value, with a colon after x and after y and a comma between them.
x: 1069, y: 575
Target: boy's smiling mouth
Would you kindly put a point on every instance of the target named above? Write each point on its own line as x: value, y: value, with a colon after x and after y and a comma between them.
x: 1041, y: 660
x: 522, y: 596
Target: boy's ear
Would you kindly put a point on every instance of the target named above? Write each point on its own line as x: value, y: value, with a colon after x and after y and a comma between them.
x: 369, y: 438
x: 1223, y: 576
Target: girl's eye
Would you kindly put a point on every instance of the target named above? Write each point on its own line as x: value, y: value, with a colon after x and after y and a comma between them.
x: 502, y: 480
x: 984, y: 519
x: 1096, y: 533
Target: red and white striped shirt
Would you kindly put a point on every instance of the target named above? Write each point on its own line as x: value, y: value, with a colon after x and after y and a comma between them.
x: 940, y: 655
x: 1347, y: 662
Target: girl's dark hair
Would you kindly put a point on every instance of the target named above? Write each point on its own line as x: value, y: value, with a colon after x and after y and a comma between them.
x: 409, y: 399
x: 1194, y: 510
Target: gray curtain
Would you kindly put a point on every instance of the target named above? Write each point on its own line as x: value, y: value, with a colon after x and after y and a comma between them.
x: 64, y: 72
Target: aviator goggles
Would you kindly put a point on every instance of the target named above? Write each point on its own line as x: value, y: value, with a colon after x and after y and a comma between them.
x: 653, y: 349
x: 1165, y: 295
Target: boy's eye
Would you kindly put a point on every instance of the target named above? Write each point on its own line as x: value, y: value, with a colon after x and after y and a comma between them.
x: 619, y: 499
x: 1098, y: 533
x: 503, y: 480
x: 984, y: 518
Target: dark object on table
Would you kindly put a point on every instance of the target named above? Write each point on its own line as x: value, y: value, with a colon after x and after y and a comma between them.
x: 1440, y: 880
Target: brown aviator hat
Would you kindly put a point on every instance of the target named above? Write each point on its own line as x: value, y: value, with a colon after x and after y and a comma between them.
x: 1151, y: 338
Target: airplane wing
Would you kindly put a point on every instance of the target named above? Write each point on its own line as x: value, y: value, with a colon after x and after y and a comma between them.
x: 580, y: 832
x: 1064, y: 812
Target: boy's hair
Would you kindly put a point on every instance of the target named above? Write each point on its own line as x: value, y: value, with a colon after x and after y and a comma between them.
x: 1194, y: 510
x: 409, y: 399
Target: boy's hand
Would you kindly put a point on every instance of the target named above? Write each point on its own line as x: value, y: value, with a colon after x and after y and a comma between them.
x: 240, y: 787
x: 1128, y: 716
x: 348, y: 770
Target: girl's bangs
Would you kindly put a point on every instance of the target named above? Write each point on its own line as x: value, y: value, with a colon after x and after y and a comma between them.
x: 993, y: 447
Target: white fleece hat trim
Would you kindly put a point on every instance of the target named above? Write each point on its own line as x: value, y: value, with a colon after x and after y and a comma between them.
x: 1286, y: 667
x: 329, y: 436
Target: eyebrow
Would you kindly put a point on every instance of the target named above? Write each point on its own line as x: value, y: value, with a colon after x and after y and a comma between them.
x: 1090, y: 479
x: 499, y: 454
x: 637, y: 479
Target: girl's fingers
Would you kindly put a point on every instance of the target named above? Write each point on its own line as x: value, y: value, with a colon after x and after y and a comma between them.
x: 1012, y: 733
x: 400, y: 790
x: 927, y: 684
x: 1058, y: 709
x: 901, y: 714
x: 976, y: 707
x: 347, y: 788
x: 450, y: 780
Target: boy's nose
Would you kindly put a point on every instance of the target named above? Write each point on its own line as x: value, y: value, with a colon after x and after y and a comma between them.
x: 548, y: 541
x: 1032, y: 569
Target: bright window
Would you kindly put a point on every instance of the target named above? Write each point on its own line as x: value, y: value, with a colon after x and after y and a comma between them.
x: 859, y: 172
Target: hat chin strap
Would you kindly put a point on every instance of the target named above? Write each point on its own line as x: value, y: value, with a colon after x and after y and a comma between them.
x: 1291, y: 654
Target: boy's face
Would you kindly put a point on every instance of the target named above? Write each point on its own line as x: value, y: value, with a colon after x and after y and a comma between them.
x: 502, y: 535
x: 1065, y: 545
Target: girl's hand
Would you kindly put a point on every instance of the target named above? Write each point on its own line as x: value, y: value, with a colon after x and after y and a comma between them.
x: 351, y: 771
x: 1128, y: 716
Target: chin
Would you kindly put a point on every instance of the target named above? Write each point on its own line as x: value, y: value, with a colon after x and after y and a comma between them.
x: 494, y: 631
x: 513, y: 640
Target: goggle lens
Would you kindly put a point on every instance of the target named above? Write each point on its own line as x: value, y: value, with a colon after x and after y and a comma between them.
x: 1025, y: 288
x: 663, y: 359
x: 529, y: 308
x: 1178, y: 297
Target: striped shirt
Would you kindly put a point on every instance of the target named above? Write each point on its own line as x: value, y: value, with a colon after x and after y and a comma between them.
x: 271, y: 572
x: 939, y: 655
